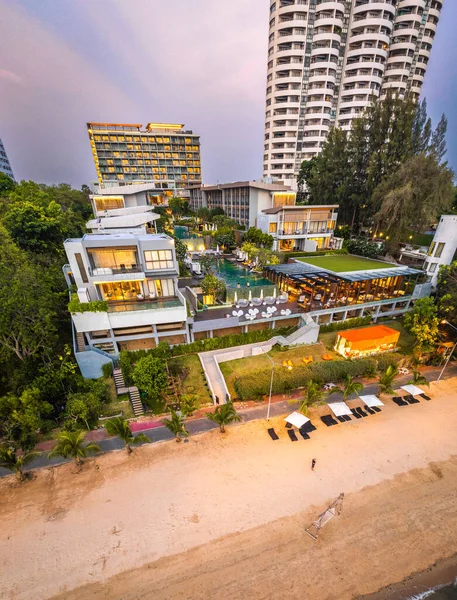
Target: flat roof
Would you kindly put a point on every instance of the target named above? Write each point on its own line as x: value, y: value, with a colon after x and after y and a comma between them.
x: 345, y: 263
x: 277, y: 209
x: 272, y: 187
x: 122, y: 221
x: 375, y: 332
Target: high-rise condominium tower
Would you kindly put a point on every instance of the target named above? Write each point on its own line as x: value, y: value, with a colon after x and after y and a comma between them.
x: 5, y: 166
x: 163, y: 153
x: 326, y: 61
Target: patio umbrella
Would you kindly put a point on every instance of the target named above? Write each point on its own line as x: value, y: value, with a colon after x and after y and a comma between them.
x: 274, y: 293
x: 235, y: 297
x: 217, y: 248
x: 250, y: 295
x: 296, y: 419
x: 261, y: 294
x: 412, y: 389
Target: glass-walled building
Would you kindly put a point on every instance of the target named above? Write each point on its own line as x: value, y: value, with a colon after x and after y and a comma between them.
x: 5, y: 166
x: 163, y: 153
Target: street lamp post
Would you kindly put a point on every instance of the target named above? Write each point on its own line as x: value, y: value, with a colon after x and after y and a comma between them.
x: 273, y: 364
x: 451, y: 353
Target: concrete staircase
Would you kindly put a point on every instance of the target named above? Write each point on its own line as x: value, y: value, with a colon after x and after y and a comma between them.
x: 135, y: 399
x: 80, y: 342
x: 306, y: 334
x: 119, y: 382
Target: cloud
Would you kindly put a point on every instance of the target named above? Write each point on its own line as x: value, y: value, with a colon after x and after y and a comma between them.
x: 10, y: 76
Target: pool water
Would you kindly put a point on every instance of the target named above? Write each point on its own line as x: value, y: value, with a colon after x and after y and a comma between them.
x: 233, y: 274
x: 182, y: 233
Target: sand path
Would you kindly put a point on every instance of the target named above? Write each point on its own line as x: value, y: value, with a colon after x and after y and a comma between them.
x: 63, y: 530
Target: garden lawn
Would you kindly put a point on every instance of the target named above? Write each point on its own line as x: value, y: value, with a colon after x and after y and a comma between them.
x: 345, y: 262
x: 194, y: 382
x: 244, y: 366
x: 122, y: 403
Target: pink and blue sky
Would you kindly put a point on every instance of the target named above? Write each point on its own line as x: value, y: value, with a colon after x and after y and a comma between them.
x: 198, y: 62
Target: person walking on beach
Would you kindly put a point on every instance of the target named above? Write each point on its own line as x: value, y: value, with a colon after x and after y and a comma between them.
x: 313, y: 464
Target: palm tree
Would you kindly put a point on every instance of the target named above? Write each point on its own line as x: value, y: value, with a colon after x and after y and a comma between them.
x: 418, y: 379
x: 14, y: 462
x: 189, y: 404
x: 386, y: 380
x: 120, y: 428
x: 70, y: 444
x: 224, y: 415
x: 350, y: 387
x: 176, y: 424
x: 314, y: 397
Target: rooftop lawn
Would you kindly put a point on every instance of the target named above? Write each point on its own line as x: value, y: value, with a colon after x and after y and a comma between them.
x: 342, y: 263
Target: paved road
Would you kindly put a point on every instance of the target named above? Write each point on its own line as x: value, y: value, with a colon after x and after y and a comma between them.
x: 159, y: 434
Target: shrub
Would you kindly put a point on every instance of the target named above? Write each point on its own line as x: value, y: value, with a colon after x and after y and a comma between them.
x: 363, y: 247
x: 341, y: 326
x: 256, y: 385
x: 107, y: 370
x: 75, y: 306
x: 386, y: 360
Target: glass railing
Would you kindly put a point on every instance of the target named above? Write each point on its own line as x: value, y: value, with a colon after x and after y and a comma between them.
x: 144, y: 305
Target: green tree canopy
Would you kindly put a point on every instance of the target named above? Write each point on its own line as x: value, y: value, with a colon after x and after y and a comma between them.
x: 224, y: 415
x: 119, y: 427
x: 224, y: 236
x: 150, y: 376
x: 6, y: 184
x: 213, y: 286
x: 259, y: 238
x: 70, y: 444
x: 412, y: 197
x: 446, y: 293
x: 423, y: 323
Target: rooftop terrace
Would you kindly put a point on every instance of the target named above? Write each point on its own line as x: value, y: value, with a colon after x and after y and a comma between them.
x: 346, y: 263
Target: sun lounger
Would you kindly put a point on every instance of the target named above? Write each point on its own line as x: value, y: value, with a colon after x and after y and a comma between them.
x: 399, y: 401
x: 327, y: 420
x: 361, y: 412
x: 413, y: 400
x: 308, y: 427
x: 332, y: 420
x: 288, y: 425
x: 293, y: 437
x: 272, y: 433
x: 304, y: 435
x: 369, y: 410
x: 355, y: 413
x: 376, y: 408
x: 341, y: 419
x: 347, y: 418
x: 425, y: 397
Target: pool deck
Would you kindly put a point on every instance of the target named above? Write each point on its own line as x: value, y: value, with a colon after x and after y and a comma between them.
x: 221, y: 313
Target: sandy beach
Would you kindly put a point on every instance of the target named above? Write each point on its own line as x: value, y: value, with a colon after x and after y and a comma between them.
x: 224, y: 516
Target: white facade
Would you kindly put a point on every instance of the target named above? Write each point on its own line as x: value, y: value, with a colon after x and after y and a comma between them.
x: 305, y: 228
x: 241, y: 200
x: 327, y: 59
x: 136, y: 274
x: 443, y: 247
x: 129, y: 196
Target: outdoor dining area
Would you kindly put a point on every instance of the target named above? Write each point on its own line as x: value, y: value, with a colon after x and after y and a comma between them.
x: 261, y: 308
x: 319, y: 290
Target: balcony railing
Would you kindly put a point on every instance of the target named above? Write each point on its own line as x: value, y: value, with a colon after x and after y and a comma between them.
x: 144, y: 305
x: 115, y: 270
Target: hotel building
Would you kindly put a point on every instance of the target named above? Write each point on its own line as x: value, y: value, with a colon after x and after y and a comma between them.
x: 5, y: 166
x: 327, y: 60
x: 307, y: 228
x: 164, y: 154
x: 242, y: 200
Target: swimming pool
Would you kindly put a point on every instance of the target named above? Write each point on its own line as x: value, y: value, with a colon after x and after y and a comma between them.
x: 182, y: 233
x: 233, y: 274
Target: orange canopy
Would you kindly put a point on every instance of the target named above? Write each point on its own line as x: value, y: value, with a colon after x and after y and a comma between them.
x: 367, y: 338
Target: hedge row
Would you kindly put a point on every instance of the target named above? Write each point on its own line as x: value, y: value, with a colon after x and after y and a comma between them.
x: 127, y: 358
x: 348, y: 324
x: 256, y: 385
x: 310, y: 254
x: 75, y: 306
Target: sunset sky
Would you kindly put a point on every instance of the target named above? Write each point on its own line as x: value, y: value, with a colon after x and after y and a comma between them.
x: 197, y: 62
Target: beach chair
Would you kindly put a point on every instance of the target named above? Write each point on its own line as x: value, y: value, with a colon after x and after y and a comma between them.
x: 361, y: 412
x: 332, y: 420
x: 288, y: 425
x: 347, y: 418
x: 304, y: 435
x: 399, y: 401
x: 413, y: 400
x: 369, y: 410
x: 293, y: 437
x: 326, y: 421
x: 341, y: 419
x: 272, y: 433
x: 376, y: 409
x: 308, y: 427
x: 355, y: 413
x: 425, y: 397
